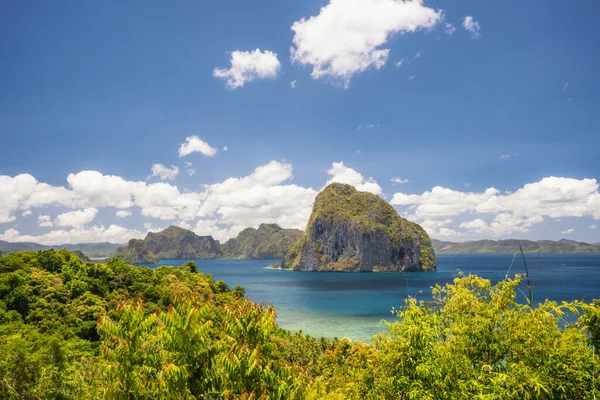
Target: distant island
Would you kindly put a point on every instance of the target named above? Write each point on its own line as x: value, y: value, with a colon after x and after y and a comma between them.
x: 511, y: 245
x: 269, y: 241
x: 92, y: 250
x: 352, y: 231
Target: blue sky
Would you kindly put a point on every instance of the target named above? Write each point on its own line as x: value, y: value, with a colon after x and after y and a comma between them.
x: 503, y: 97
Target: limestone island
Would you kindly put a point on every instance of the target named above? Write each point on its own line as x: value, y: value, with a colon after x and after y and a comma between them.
x: 352, y: 231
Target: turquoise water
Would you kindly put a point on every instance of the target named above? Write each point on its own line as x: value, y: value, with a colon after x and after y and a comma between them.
x: 353, y: 305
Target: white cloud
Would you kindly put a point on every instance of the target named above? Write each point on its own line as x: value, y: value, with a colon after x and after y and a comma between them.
x: 366, y: 127
x: 450, y: 29
x: 194, y: 144
x: 113, y: 234
x: 399, y: 180
x: 399, y: 63
x: 164, y: 172
x: 565, y: 87
x: 411, y: 77
x: 436, y: 228
x: 417, y: 54
x: 26, y: 213
x: 189, y: 168
x: 260, y: 197
x: 593, y: 227
x: 293, y: 84
x: 347, y: 36
x: 342, y: 174
x: 44, y: 221
x: 123, y: 213
x: 24, y: 192
x: 77, y: 218
x: 567, y: 231
x: 225, y: 148
x: 472, y: 26
x: 507, y: 156
x: 508, y: 212
x: 247, y: 66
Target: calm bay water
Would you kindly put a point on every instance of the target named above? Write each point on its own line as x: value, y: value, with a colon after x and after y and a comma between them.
x: 353, y: 304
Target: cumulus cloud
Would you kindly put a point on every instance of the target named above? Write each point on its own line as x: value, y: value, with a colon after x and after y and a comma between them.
x: 348, y: 36
x: 26, y: 213
x: 293, y: 84
x: 399, y: 180
x: 342, y: 174
x: 261, y: 197
x: 25, y: 192
x: 44, y: 221
x: 567, y: 231
x: 437, y: 228
x: 123, y: 213
x: 194, y: 144
x: 449, y: 28
x: 503, y: 213
x: 164, y: 172
x: 507, y: 156
x: 77, y: 218
x: 472, y: 26
x: 112, y: 234
x: 399, y: 63
x: 247, y: 66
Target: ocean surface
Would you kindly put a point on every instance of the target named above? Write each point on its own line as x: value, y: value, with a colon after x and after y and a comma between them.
x: 354, y: 304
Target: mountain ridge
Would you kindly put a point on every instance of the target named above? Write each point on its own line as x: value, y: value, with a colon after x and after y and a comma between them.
x: 562, y: 246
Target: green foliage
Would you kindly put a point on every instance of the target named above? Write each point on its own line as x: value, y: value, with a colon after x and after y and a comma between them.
x: 75, y: 330
x: 78, y: 330
x: 267, y: 242
x: 475, y: 341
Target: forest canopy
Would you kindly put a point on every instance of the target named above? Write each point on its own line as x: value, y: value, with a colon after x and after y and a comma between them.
x: 71, y: 329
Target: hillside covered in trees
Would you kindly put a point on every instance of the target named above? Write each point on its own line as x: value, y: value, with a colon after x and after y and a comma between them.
x: 80, y: 330
x: 512, y: 245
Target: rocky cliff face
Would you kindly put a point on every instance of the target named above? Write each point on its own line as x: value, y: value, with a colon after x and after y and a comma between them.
x: 136, y: 252
x: 269, y: 241
x: 172, y: 243
x: 352, y: 231
x: 179, y: 243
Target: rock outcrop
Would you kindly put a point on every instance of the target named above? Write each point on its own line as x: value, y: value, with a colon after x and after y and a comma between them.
x: 136, y: 252
x: 352, y: 231
x: 269, y: 241
x: 172, y: 243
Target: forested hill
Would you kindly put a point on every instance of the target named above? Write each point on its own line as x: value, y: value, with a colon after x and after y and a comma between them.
x: 267, y: 242
x: 512, y: 245
x: 103, y: 249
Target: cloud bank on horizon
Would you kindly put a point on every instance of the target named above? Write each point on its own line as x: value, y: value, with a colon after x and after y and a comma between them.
x: 267, y: 195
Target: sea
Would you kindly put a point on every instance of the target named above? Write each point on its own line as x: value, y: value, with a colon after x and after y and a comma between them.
x: 354, y: 305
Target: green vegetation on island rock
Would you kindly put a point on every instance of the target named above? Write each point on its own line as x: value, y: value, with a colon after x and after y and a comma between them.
x: 71, y: 329
x: 170, y: 244
x: 352, y: 231
x: 269, y: 241
x: 512, y: 245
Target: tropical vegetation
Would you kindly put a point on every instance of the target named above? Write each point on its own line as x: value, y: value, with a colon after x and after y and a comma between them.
x: 71, y: 329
